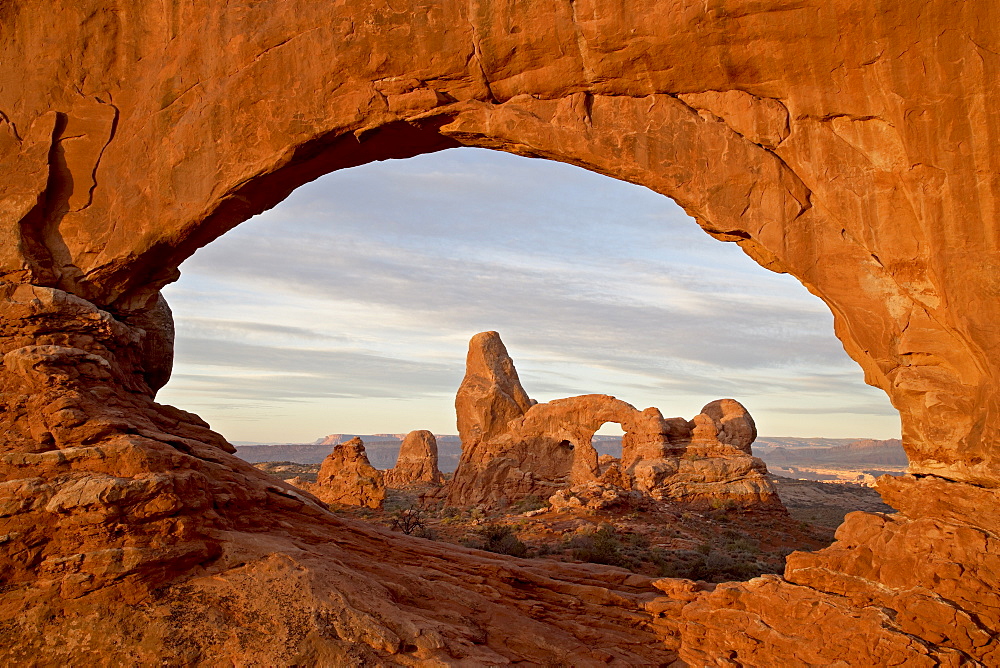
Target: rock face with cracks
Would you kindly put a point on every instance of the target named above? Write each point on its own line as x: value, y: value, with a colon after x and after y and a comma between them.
x: 514, y: 448
x: 417, y: 461
x: 851, y: 145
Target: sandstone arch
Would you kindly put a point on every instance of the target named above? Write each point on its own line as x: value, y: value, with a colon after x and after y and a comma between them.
x: 514, y: 447
x: 859, y: 154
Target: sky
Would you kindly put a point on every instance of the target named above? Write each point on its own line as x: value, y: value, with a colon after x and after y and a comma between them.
x: 348, y: 307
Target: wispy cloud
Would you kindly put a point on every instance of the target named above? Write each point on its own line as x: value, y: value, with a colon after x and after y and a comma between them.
x: 274, y: 372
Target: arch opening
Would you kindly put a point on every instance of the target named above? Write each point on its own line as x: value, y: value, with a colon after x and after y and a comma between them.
x: 333, y: 288
x: 608, y: 440
x: 678, y: 366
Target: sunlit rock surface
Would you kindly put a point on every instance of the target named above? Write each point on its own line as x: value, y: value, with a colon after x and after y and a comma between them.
x: 852, y: 145
x: 532, y: 449
x: 346, y: 477
x: 417, y: 461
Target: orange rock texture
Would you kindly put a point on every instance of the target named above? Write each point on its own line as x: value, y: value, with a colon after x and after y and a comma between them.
x: 514, y: 448
x: 346, y: 477
x: 417, y: 461
x: 850, y: 144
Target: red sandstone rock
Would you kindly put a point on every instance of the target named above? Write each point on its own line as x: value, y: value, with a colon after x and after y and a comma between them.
x: 491, y: 394
x: 548, y: 447
x: 417, y: 461
x: 906, y: 584
x: 346, y: 477
x: 724, y: 422
x: 859, y: 156
x: 595, y: 496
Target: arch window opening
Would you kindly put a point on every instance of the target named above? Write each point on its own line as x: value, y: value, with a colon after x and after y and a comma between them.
x: 608, y: 440
x: 346, y: 310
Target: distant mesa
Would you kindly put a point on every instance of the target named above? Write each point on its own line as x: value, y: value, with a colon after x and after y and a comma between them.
x: 858, y: 460
x: 846, y: 451
x: 334, y: 439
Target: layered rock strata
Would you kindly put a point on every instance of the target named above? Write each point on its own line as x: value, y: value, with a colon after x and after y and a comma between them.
x: 514, y: 448
x: 346, y: 477
x: 417, y: 461
x: 850, y: 145
x: 920, y: 587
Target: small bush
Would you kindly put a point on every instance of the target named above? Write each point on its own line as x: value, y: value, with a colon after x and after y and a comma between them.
x: 719, y: 516
x: 601, y: 547
x: 682, y: 564
x: 408, y: 520
x: 451, y: 515
x: 498, y: 538
x: 719, y: 562
x: 723, y: 504
x: 744, y: 544
x: 425, y: 532
x: 545, y: 548
x: 530, y: 503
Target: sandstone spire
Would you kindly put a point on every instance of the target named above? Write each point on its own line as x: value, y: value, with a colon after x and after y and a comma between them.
x: 491, y: 394
x: 417, y: 461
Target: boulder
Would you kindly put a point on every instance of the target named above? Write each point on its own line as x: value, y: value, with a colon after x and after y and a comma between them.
x: 724, y: 423
x: 594, y: 496
x: 347, y: 478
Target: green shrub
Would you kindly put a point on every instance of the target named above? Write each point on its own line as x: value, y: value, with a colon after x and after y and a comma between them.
x: 498, y: 538
x: 723, y: 504
x: 601, y: 547
x: 425, y: 532
x: 530, y: 503
x: 744, y: 544
x: 682, y: 564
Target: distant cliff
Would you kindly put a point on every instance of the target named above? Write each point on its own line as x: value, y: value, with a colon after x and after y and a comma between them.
x: 859, y: 452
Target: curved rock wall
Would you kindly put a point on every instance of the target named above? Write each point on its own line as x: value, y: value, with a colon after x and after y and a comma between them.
x: 852, y: 145
x: 849, y: 133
